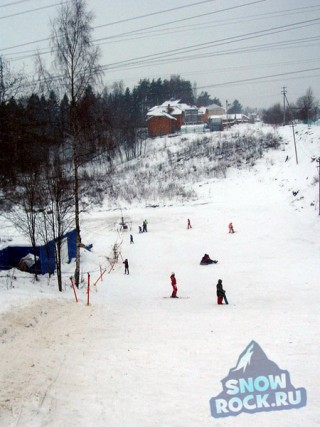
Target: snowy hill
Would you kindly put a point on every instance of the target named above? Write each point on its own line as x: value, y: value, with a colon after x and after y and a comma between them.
x: 135, y: 359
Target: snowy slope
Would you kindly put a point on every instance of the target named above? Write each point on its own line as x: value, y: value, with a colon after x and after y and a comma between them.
x: 135, y: 359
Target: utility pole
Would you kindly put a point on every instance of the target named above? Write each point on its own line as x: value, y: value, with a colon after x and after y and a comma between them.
x: 284, y: 91
x: 292, y: 124
x: 318, y: 161
x: 227, y: 114
x: 1, y: 81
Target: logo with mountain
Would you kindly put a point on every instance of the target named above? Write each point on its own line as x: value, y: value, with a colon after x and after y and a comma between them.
x: 256, y: 384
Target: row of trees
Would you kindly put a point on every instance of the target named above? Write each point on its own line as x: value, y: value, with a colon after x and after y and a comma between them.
x: 54, y: 137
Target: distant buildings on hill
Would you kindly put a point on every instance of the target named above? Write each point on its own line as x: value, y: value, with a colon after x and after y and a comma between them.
x: 174, y: 116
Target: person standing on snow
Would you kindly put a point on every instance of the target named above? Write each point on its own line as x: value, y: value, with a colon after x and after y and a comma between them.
x: 126, y: 266
x: 189, y: 224
x: 220, y: 292
x: 174, y: 286
x: 145, y: 223
x: 231, y: 229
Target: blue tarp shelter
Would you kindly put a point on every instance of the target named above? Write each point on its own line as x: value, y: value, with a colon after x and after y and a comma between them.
x: 12, y: 254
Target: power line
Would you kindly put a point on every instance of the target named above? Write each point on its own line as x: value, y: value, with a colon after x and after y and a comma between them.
x: 155, y: 13
x: 29, y: 11
x: 184, y: 28
x: 255, y: 48
x: 14, y: 2
x: 174, y: 28
x: 200, y: 46
x: 130, y: 19
x: 180, y: 20
x: 258, y: 78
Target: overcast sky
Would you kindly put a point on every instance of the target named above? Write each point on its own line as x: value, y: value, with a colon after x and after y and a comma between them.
x: 233, y: 49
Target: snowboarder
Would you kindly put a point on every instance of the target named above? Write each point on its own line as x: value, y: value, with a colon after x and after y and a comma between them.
x: 231, y: 229
x: 131, y: 239
x: 145, y: 223
x: 174, y: 286
x: 189, y: 224
x: 221, y: 293
x: 126, y: 266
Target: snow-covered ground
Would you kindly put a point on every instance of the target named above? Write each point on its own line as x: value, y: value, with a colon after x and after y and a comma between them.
x: 135, y: 359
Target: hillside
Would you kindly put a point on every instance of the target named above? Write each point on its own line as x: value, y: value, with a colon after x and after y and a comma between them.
x: 135, y: 359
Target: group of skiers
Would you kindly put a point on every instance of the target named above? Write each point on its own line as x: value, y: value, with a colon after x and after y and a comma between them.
x: 206, y: 260
x: 144, y: 227
x: 221, y: 293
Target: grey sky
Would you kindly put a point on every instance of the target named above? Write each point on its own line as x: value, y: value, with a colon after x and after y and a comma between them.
x: 260, y: 45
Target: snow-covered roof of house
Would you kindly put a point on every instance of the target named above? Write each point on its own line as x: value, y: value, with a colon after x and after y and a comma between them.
x: 212, y: 106
x: 171, y: 102
x: 169, y: 108
x: 181, y: 105
x: 202, y: 110
x: 163, y: 111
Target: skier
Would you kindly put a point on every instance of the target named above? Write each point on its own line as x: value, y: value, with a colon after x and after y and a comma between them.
x: 231, y: 230
x: 174, y: 286
x: 126, y: 266
x: 131, y: 239
x: 145, y: 223
x: 189, y: 224
x: 221, y: 293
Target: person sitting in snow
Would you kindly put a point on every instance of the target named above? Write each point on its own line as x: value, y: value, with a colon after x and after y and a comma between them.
x: 220, y: 292
x: 206, y: 260
x: 174, y: 286
x: 231, y: 229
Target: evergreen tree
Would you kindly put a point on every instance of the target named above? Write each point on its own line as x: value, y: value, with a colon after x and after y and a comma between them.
x: 236, y: 108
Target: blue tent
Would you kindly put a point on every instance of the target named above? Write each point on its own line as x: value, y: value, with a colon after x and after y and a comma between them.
x: 11, y: 255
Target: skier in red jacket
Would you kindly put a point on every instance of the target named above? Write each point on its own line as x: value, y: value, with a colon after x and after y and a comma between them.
x: 174, y: 286
x: 231, y: 229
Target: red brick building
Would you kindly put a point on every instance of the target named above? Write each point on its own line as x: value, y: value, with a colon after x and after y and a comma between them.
x: 169, y: 117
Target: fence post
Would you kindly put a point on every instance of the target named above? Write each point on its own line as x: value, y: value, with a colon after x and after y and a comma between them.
x: 88, y: 290
x: 74, y: 291
x: 100, y: 277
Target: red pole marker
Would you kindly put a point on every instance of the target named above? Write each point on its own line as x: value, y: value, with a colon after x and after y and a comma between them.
x: 74, y: 291
x: 88, y: 290
x: 100, y: 277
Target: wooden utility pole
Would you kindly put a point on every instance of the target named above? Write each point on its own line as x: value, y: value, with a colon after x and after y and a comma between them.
x: 284, y: 91
x: 292, y: 124
x: 318, y: 161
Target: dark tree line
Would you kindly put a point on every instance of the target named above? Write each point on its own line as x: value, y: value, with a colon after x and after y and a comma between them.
x: 33, y: 128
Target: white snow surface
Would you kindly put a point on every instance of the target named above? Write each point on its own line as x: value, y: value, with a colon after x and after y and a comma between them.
x: 135, y: 359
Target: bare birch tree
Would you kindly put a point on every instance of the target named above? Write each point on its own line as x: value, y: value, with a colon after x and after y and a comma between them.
x: 76, y: 60
x: 56, y: 196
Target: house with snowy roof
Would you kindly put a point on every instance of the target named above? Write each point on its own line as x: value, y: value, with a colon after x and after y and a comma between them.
x: 168, y: 117
x: 215, y: 110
